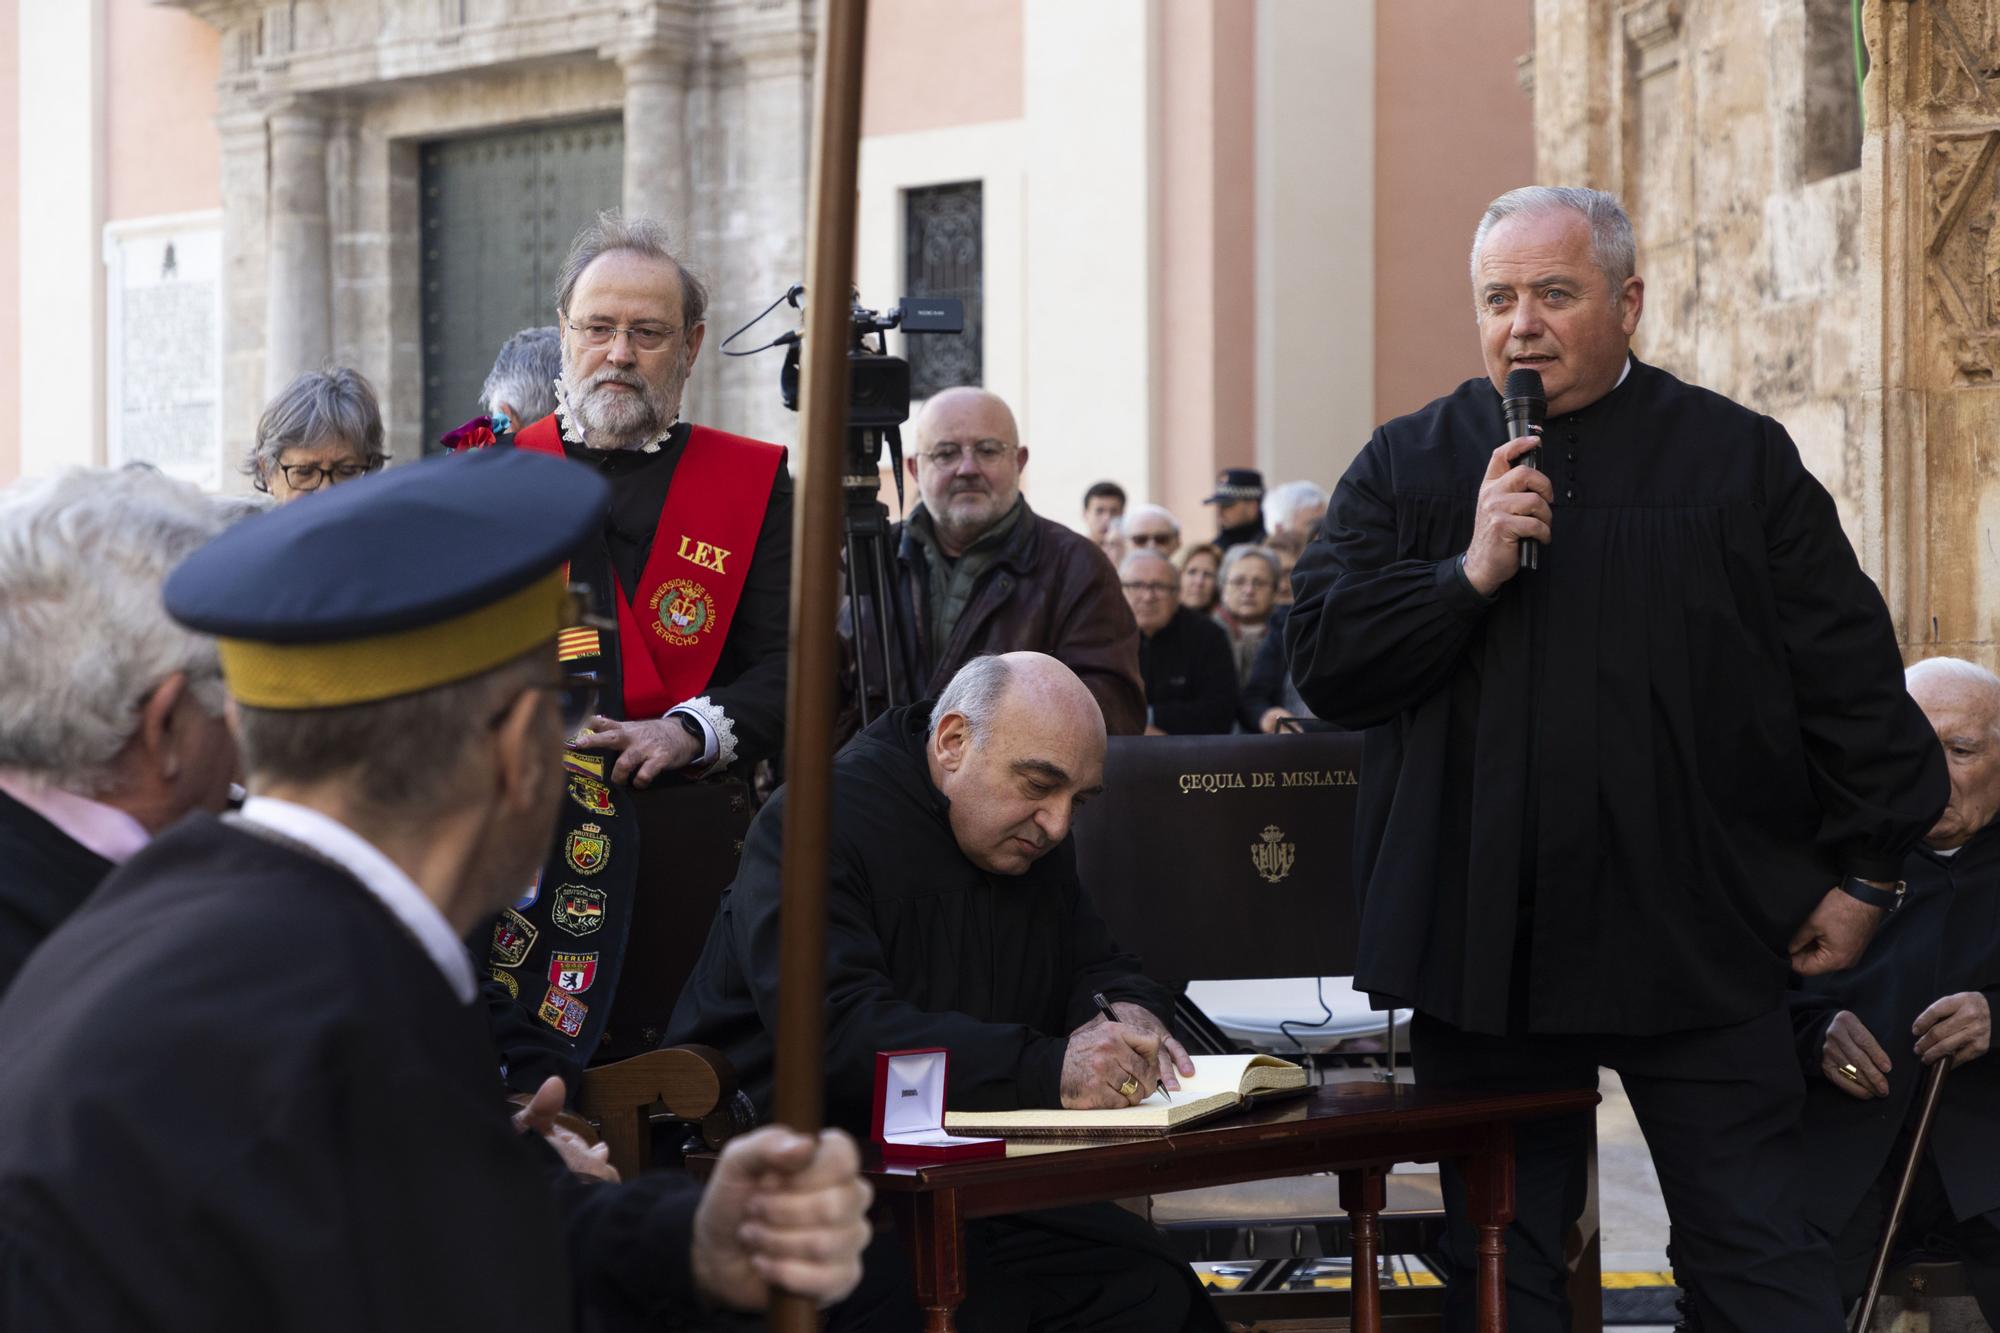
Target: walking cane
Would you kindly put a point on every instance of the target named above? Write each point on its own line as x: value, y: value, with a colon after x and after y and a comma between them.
x: 1932, y: 1088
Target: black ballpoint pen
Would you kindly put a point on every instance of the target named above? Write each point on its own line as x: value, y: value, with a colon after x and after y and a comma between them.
x: 1104, y: 1007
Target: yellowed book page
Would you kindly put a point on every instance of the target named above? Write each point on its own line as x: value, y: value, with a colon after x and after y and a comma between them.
x: 1217, y: 1081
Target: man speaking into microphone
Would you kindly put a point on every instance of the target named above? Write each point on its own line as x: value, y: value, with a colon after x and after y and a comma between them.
x: 1607, y: 802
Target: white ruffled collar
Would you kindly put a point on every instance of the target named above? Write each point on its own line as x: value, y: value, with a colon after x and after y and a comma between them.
x: 572, y: 430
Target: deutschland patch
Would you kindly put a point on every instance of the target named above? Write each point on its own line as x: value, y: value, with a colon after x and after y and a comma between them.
x: 506, y: 978
x: 578, y: 909
x: 591, y: 794
x: 564, y: 1013
x: 587, y: 850
x: 683, y: 609
x: 572, y: 973
x: 513, y: 936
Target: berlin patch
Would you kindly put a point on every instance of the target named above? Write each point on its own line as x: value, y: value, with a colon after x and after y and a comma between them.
x: 578, y: 909
x: 506, y: 978
x: 572, y: 973
x: 587, y: 850
x: 564, y: 1013
x: 591, y: 794
x: 513, y: 936
x: 682, y: 610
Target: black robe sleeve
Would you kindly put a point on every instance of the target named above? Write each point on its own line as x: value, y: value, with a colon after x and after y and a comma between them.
x: 629, y: 1246
x: 994, y: 1066
x: 1872, y: 757
x: 530, y: 1052
x: 1103, y: 967
x: 753, y: 662
x: 1372, y: 634
x: 1210, y: 709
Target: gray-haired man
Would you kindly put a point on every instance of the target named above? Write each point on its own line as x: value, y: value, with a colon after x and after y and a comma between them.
x: 111, y: 725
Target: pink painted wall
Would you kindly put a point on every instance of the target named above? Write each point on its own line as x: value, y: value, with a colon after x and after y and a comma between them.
x: 1206, y: 316
x: 1440, y: 158
x: 162, y: 152
x: 10, y: 236
x: 933, y: 63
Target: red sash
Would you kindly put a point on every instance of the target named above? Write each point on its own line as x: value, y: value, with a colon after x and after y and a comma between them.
x: 671, y: 634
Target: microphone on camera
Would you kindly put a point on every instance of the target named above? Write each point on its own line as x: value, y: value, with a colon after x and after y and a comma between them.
x: 1524, y: 407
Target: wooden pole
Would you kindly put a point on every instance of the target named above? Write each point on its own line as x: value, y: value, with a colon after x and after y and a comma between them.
x: 816, y: 544
x: 1933, y: 1089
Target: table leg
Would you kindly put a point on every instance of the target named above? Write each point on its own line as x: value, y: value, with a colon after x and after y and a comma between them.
x: 934, y: 1237
x: 1489, y: 1188
x: 1361, y: 1197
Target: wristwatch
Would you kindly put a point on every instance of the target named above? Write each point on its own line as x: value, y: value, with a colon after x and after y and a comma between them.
x: 1856, y: 887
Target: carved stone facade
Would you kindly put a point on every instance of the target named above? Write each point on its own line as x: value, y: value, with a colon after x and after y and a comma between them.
x: 323, y: 104
x: 1845, y: 281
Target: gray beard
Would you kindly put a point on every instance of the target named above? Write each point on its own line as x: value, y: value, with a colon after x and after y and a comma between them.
x: 611, y: 423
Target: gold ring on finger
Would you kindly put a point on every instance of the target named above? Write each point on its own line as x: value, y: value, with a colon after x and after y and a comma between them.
x: 1851, y: 1074
x: 1128, y: 1087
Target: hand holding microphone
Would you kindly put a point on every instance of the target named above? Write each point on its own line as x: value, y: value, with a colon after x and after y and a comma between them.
x: 1514, y: 512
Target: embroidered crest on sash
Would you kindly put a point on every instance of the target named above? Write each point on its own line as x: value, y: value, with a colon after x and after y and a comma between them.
x: 564, y: 1013
x: 513, y: 936
x: 578, y: 909
x: 572, y: 973
x: 588, y: 850
x: 682, y: 610
x: 591, y: 794
x: 505, y: 978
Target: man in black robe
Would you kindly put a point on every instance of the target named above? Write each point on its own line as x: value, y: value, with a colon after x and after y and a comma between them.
x: 1605, y: 802
x: 955, y: 919
x: 1925, y: 990
x: 1184, y: 657
x: 266, y: 1095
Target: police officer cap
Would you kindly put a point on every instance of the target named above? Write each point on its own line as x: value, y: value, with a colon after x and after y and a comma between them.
x: 390, y: 584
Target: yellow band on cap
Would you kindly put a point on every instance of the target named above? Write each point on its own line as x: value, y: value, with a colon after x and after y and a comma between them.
x: 384, y: 666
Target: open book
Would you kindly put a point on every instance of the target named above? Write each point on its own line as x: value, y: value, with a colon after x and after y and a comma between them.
x: 1219, y: 1083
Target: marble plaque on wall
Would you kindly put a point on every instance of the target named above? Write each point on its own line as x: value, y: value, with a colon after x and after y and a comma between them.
x: 163, y: 347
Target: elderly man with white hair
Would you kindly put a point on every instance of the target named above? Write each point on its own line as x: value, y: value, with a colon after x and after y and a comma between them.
x: 1294, y: 508
x: 111, y: 724
x: 1925, y: 990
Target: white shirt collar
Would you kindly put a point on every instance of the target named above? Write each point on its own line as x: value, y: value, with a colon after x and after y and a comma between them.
x: 379, y: 875
x: 109, y: 832
x: 1626, y: 371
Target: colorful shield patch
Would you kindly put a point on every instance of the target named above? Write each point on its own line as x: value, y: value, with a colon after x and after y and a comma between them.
x: 527, y: 900
x: 587, y: 850
x: 572, y: 973
x: 578, y: 909
x: 506, y: 979
x: 591, y: 794
x: 564, y: 1013
x: 513, y: 936
x: 683, y: 610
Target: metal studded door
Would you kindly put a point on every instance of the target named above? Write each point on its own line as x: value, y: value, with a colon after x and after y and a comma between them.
x: 499, y: 213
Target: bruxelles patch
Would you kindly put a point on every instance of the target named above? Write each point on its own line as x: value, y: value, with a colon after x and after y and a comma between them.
x: 572, y: 973
x: 506, y: 978
x: 513, y: 936
x: 564, y: 1013
x: 682, y: 610
x: 578, y: 909
x: 588, y: 850
x: 591, y: 794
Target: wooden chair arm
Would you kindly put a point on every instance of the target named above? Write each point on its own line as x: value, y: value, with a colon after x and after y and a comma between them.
x: 692, y: 1083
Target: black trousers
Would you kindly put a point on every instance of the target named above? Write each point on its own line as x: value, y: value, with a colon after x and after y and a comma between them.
x: 1720, y: 1111
x: 1928, y: 1225
x: 1092, y: 1269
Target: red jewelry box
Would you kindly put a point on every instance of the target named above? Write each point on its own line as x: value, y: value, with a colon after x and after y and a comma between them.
x: 909, y: 1111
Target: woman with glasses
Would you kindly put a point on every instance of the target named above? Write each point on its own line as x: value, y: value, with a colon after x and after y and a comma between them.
x: 1249, y: 578
x: 1198, y: 563
x: 325, y: 428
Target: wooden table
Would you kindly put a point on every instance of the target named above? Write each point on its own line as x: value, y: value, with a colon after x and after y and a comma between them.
x: 1359, y: 1130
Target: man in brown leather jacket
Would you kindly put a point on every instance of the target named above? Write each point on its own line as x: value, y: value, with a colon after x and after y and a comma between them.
x: 978, y: 571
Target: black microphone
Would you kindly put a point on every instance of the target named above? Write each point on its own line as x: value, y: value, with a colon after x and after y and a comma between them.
x: 1524, y: 407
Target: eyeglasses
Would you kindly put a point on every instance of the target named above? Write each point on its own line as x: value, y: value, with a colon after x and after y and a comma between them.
x: 645, y: 337
x: 1239, y: 583
x: 307, y: 477
x: 1136, y: 587
x: 1163, y: 540
x: 988, y: 452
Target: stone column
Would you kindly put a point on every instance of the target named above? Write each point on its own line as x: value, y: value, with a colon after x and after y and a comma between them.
x: 245, y: 180
x: 656, y: 175
x: 298, y: 307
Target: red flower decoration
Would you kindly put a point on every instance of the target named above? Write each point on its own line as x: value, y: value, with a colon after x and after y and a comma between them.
x: 474, y: 434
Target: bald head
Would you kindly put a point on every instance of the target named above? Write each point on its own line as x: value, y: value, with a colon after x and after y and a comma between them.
x: 967, y: 464
x: 1962, y: 701
x: 1016, y: 747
